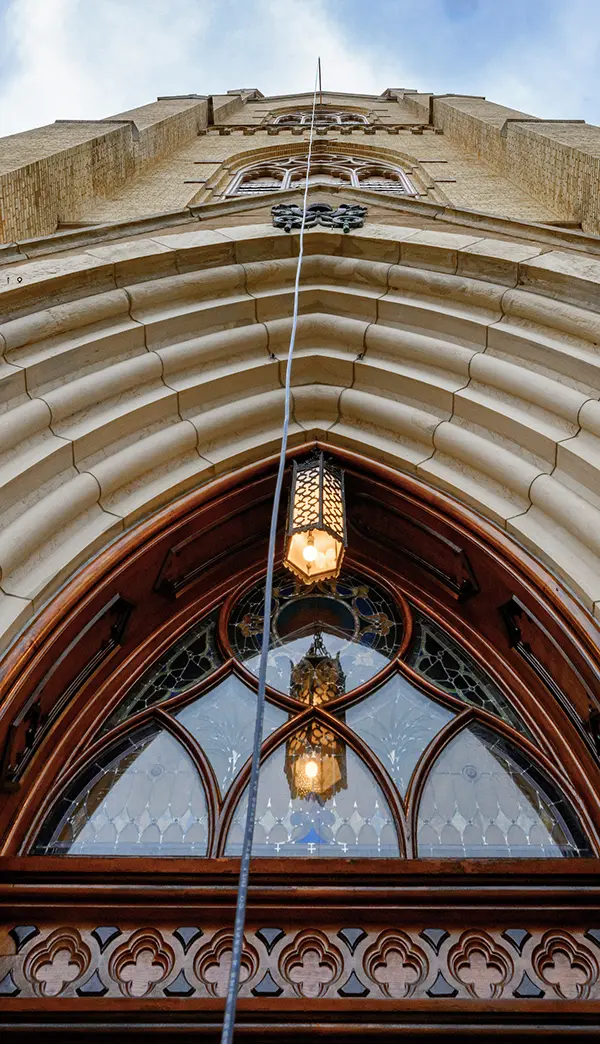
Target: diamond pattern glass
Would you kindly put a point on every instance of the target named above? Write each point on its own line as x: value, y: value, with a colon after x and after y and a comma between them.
x: 142, y: 798
x: 354, y: 821
x: 187, y: 662
x: 222, y: 721
x: 436, y: 656
x: 484, y: 799
x: 398, y: 722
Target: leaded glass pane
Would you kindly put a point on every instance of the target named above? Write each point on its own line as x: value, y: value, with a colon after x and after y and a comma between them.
x: 485, y: 799
x: 144, y: 799
x: 354, y: 619
x: 436, y: 656
x: 184, y: 664
x: 398, y: 722
x: 316, y: 798
x: 223, y: 723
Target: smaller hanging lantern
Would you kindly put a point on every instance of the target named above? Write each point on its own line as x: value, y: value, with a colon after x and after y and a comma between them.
x: 317, y: 677
x: 316, y: 527
x: 315, y: 758
x: 315, y: 763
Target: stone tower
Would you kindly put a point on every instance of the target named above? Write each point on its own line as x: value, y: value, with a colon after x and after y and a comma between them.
x: 412, y: 825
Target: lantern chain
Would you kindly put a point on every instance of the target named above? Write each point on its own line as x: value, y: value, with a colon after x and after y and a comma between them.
x: 242, y: 896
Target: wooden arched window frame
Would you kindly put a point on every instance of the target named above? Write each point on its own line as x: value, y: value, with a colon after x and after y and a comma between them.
x: 430, y: 576
x: 373, y: 798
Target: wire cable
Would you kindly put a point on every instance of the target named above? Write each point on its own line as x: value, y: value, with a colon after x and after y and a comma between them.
x: 242, y: 897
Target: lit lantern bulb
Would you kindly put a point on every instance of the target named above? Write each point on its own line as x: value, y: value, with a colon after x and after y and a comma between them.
x: 311, y: 769
x: 310, y: 552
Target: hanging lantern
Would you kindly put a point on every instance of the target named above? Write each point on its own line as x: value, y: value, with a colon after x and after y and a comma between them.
x: 317, y: 677
x: 315, y: 758
x: 315, y: 763
x: 316, y: 527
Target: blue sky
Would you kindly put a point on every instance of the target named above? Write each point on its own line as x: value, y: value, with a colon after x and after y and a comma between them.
x: 62, y: 59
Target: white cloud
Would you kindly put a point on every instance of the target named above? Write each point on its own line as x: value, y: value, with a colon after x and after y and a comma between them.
x: 77, y: 59
x: 553, y: 73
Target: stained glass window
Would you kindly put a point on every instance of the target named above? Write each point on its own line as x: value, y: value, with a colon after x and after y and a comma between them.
x: 326, y: 169
x: 316, y: 798
x: 354, y: 618
x: 223, y: 723
x: 187, y: 662
x: 398, y: 722
x: 335, y: 784
x: 484, y: 799
x: 142, y: 798
x: 436, y: 656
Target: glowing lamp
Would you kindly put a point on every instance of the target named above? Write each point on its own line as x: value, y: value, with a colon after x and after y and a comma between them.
x: 315, y: 758
x: 316, y: 527
x: 315, y: 763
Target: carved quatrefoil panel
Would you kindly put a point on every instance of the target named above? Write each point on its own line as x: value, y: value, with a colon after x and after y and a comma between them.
x: 567, y: 967
x: 311, y: 964
x: 213, y: 961
x: 58, y: 961
x: 142, y: 963
x: 279, y: 961
x: 482, y: 966
x: 396, y: 964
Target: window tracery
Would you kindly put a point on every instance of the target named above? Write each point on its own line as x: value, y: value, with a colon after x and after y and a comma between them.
x: 354, y: 746
x: 327, y: 169
x: 323, y: 118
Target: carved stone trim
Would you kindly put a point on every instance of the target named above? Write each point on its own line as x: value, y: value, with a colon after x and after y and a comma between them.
x: 346, y: 216
x: 310, y: 964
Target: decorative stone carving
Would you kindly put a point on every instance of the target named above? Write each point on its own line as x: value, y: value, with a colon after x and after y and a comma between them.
x: 565, y: 965
x: 396, y: 964
x: 56, y: 962
x: 346, y: 216
x: 311, y: 964
x: 480, y: 965
x: 213, y: 961
x: 141, y: 963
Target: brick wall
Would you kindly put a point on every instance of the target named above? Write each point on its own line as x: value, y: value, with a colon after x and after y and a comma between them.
x: 48, y: 173
x: 558, y: 163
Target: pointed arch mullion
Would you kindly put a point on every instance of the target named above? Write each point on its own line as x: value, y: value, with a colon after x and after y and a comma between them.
x: 496, y: 726
x: 377, y: 770
x: 203, y: 767
x: 240, y: 782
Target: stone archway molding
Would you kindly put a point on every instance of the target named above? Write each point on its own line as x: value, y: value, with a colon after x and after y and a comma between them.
x: 136, y: 371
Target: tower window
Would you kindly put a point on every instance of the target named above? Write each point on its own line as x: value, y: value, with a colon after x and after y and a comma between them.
x: 323, y: 118
x: 326, y: 169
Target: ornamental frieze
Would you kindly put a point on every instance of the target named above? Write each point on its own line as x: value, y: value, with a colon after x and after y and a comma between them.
x: 181, y: 961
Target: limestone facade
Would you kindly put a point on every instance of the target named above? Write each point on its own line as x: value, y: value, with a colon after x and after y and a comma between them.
x: 176, y: 152
x: 142, y: 355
